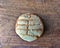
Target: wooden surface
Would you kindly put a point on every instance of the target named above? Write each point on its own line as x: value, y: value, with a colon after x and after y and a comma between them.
x: 48, y: 10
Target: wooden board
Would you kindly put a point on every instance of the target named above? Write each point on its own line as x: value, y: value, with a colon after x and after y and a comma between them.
x: 48, y: 10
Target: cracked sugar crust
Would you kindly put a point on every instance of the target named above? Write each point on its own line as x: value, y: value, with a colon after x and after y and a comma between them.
x: 29, y: 27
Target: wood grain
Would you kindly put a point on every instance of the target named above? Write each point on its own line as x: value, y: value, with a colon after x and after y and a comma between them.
x: 48, y: 10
